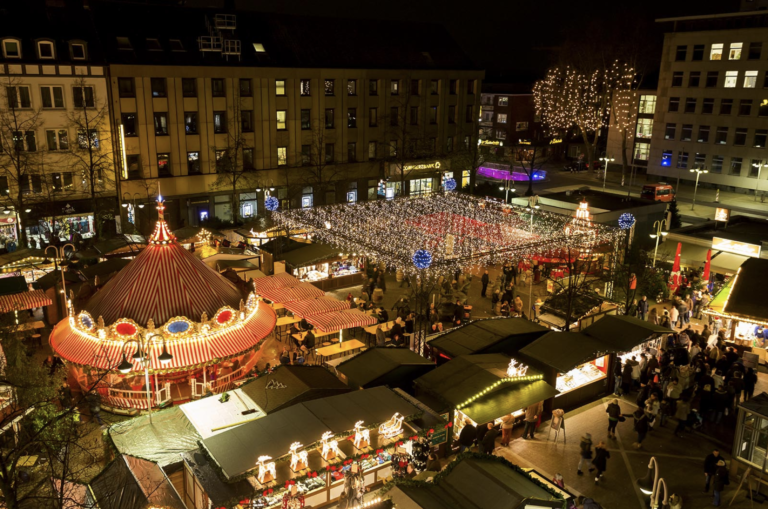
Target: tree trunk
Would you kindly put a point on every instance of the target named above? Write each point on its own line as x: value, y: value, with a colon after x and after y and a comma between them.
x: 589, y: 149
x: 624, y: 158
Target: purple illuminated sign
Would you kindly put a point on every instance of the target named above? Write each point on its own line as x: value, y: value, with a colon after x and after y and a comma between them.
x: 517, y: 176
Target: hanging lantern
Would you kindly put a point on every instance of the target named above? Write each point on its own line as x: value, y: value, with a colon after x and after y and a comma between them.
x: 271, y: 203
x: 422, y: 259
x: 626, y: 221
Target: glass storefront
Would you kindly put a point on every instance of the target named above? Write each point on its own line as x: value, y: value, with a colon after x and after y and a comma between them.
x: 421, y: 186
x: 65, y: 227
x: 752, y: 440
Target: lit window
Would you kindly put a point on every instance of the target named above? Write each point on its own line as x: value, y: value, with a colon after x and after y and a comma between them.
x: 258, y: 47
x: 282, y: 156
x: 731, y: 77
x: 279, y: 87
x: 281, y: 120
x: 716, y: 52
x: 521, y: 126
x: 644, y: 128
x: 642, y: 151
x: 12, y: 48
x: 304, y: 87
x: 750, y: 79
x: 501, y: 118
x: 503, y: 101
x: 45, y: 49
x: 647, y: 104
x: 735, y: 53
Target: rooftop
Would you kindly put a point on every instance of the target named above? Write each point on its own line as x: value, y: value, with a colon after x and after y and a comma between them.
x: 751, y: 230
x: 598, y: 199
x: 724, y: 21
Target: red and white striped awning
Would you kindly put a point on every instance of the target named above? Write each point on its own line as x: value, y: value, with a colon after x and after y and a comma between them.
x: 338, y: 320
x: 303, y: 308
x: 281, y: 280
x: 86, y: 351
x: 24, y: 300
x: 302, y: 291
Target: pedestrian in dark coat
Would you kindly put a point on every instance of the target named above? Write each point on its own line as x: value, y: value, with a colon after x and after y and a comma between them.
x: 467, y: 436
x: 642, y: 308
x: 586, y: 453
x: 626, y: 378
x: 750, y: 380
x: 601, y: 460
x: 641, y: 427
x: 489, y: 440
x: 485, y: 280
x: 720, y: 482
x: 710, y: 467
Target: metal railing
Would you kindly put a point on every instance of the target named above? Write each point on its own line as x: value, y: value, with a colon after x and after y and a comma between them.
x: 227, y: 382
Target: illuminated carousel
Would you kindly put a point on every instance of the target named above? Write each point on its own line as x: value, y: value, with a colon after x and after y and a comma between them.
x: 166, y: 328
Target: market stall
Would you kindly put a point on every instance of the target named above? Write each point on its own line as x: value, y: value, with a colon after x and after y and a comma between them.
x: 391, y: 367
x: 9, y: 238
x: 301, y: 291
x: 585, y: 309
x: 750, y: 445
x: 263, y: 229
x: 197, y: 235
x: 319, y: 305
x: 30, y: 263
x: 282, y: 280
x: 134, y: 483
x: 63, y: 228
x: 325, y: 266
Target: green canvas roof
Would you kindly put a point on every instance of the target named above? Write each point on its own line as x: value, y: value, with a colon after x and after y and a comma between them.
x: 480, y: 335
x: 376, y: 363
x: 564, y: 350
x: 510, y: 397
x: 623, y: 333
x: 310, y: 254
x: 746, y: 296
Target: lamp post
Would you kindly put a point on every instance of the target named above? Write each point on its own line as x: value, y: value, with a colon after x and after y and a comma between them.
x: 143, y: 353
x: 59, y: 253
x: 665, y: 500
x: 507, y: 188
x: 759, y: 167
x: 698, y: 172
x: 533, y: 205
x: 646, y: 485
x: 606, y: 159
x: 659, y: 225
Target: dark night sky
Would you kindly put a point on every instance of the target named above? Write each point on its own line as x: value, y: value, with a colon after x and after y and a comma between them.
x: 510, y: 39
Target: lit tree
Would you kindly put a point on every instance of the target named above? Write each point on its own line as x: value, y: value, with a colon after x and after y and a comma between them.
x: 623, y: 120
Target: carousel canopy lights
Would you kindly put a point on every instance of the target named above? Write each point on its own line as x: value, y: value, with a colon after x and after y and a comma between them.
x: 626, y: 221
x: 450, y: 184
x: 422, y: 259
x: 271, y: 203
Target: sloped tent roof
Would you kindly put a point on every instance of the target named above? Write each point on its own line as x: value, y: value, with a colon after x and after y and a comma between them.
x: 623, y: 333
x: 13, y: 284
x: 282, y: 280
x: 220, y: 493
x: 296, y: 384
x: 24, y: 300
x: 338, y: 320
x: 747, y: 293
x: 309, y: 307
x: 564, y: 350
x: 384, y: 366
x: 301, y: 291
x: 757, y: 405
x: 237, y: 450
x: 104, y: 269
x: 310, y: 255
x: 491, y: 335
x: 133, y: 483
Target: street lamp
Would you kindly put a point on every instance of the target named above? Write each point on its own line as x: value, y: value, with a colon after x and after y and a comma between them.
x: 696, y: 188
x: 143, y: 354
x: 59, y: 253
x: 648, y: 483
x: 759, y: 167
x: 665, y: 500
x: 659, y: 225
x: 533, y: 205
x: 607, y: 159
x: 506, y: 187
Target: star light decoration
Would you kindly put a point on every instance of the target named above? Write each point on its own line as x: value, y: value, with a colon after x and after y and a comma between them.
x: 626, y: 221
x: 480, y: 231
x: 271, y: 203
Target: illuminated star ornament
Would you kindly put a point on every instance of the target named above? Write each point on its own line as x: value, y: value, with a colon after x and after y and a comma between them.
x: 626, y: 221
x: 271, y: 203
x: 422, y: 259
x: 450, y: 184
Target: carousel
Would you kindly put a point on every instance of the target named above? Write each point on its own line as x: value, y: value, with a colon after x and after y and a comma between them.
x: 167, y: 328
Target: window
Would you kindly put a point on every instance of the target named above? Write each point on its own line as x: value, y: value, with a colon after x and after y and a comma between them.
x: 765, y: 80
x: 282, y: 117
x: 246, y: 121
x: 193, y: 163
x: 666, y: 158
x: 129, y: 124
x: 717, y: 164
x: 755, y: 49
x: 371, y: 150
x: 223, y: 161
x: 36, y: 182
x: 394, y: 87
x: 329, y: 118
x: 501, y: 118
x: 133, y: 161
x: 88, y: 138
x: 433, y: 114
x: 153, y: 45
x: 740, y: 139
x: 373, y: 87
x: 57, y: 139
x: 124, y: 43
x: 351, y: 118
x: 125, y: 87
x: 164, y: 165
x: 304, y: 87
x: 434, y: 87
x: 329, y: 148
x: 259, y: 47
x: 690, y: 105
x: 712, y: 77
x: 245, y: 87
x: 716, y: 52
x: 12, y: 48
x: 745, y: 107
x: 161, y: 124
x: 699, y: 160
x: 351, y: 151
x: 698, y: 52
x: 674, y: 104
x: 158, y: 87
x: 453, y: 86
x: 677, y: 79
x: 415, y: 85
x: 686, y: 132
x: 219, y: 122
x: 393, y: 116
x: 726, y: 106
x: 217, y: 87
x: 760, y: 138
x: 451, y: 114
x: 45, y: 50
x: 282, y: 156
x: 329, y: 87
x: 750, y: 79
x: 83, y: 97
x: 176, y: 45
x: 735, y: 166
x: 188, y: 87
x: 470, y: 86
x: 373, y: 117
x: 735, y: 52
x: 731, y: 77
x: 77, y: 50
x: 501, y: 135
x: 414, y: 115
x: 647, y: 104
x: 469, y: 114
x: 351, y: 87
x: 681, y: 53
x: 190, y: 122
x: 449, y: 145
x: 307, y: 196
x: 306, y: 120
x: 721, y: 136
x: 53, y: 97
x: 703, y: 136
x: 248, y: 158
x: 693, y: 79
x: 642, y: 152
x: 682, y: 159
x: 669, y: 132
x: 306, y: 154
x: 754, y: 168
x: 393, y: 148
x: 762, y: 110
x: 503, y: 101
x: 644, y: 127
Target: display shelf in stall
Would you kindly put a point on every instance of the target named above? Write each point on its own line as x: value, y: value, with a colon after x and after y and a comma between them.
x: 586, y: 310
x: 26, y: 262
x: 325, y: 266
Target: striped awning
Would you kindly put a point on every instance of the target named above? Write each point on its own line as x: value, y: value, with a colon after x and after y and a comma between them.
x: 281, y: 280
x: 24, y: 300
x: 338, y: 320
x: 303, y: 308
x: 302, y: 291
x: 79, y: 349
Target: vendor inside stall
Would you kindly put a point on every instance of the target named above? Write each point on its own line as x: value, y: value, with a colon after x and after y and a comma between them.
x: 319, y: 263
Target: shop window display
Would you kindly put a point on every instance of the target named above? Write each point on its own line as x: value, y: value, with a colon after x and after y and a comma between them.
x: 582, y: 375
x: 343, y: 267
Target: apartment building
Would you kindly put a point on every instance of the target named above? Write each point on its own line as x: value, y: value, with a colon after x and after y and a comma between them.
x: 712, y: 102
x: 507, y: 115
x: 633, y: 143
x: 56, y: 162
x: 218, y: 111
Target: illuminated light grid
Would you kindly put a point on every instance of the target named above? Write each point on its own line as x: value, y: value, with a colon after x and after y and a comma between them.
x: 458, y: 230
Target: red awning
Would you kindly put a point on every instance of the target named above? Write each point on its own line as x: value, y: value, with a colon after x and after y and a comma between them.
x: 281, y: 280
x: 24, y: 300
x: 303, y: 308
x: 338, y: 320
x: 302, y: 291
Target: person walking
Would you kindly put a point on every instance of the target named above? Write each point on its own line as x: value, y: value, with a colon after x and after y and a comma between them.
x: 681, y: 414
x: 632, y: 309
x: 507, y: 423
x: 719, y: 482
x: 641, y: 427
x: 653, y: 316
x: 585, y: 446
x: 467, y: 436
x: 642, y: 308
x: 488, y: 445
x: 485, y: 279
x: 750, y: 380
x: 614, y: 416
x: 710, y: 467
x: 601, y: 460
x: 532, y: 414
x: 674, y: 316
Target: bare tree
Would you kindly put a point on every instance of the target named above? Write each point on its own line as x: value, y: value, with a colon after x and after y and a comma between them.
x: 530, y: 158
x: 467, y: 156
x: 319, y: 168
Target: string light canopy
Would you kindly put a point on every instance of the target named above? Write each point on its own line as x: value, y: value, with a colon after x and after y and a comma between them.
x: 456, y: 230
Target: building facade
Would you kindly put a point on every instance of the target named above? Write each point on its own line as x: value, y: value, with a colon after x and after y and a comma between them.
x: 712, y: 104
x: 507, y: 116
x: 633, y: 144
